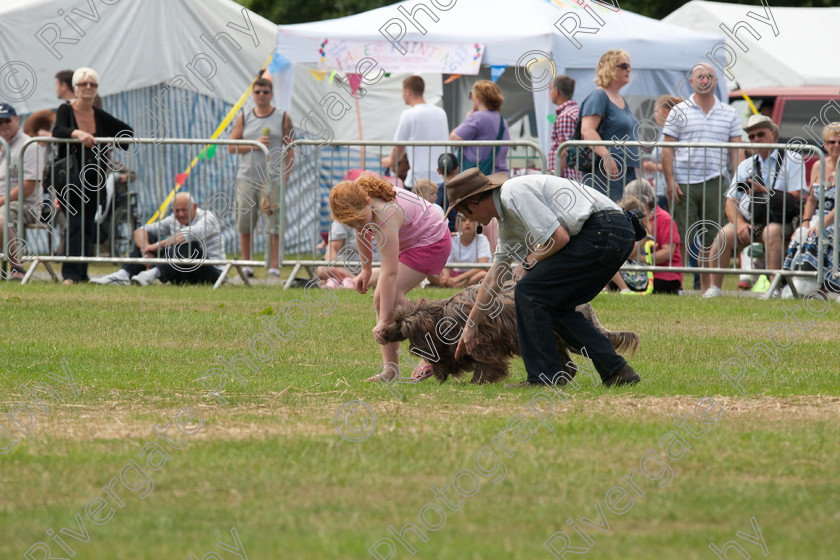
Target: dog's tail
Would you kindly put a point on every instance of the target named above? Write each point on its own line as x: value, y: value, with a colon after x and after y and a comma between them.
x: 623, y: 341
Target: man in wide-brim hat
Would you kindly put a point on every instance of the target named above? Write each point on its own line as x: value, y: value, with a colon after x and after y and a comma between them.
x: 761, y: 203
x: 573, y: 239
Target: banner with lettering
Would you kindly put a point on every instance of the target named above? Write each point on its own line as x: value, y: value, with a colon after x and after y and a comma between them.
x: 414, y: 57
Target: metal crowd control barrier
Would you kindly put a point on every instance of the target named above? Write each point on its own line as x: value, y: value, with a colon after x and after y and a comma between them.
x: 834, y: 269
x: 164, y: 182
x: 720, y: 220
x: 304, y: 213
x: 7, y: 188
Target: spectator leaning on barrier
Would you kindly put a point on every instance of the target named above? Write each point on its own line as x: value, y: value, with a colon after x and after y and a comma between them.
x: 605, y: 115
x: 187, y: 233
x: 484, y: 122
x: 13, y: 135
x: 565, y: 120
x: 696, y: 193
x: 761, y: 203
x: 574, y: 238
x: 422, y: 122
x: 81, y: 198
x: 342, y: 250
x: 273, y: 128
x: 653, y: 166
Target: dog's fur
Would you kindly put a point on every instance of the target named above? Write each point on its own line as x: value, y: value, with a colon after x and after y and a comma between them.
x: 433, y: 329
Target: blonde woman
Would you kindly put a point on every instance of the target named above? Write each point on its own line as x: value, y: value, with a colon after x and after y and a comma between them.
x: 605, y: 115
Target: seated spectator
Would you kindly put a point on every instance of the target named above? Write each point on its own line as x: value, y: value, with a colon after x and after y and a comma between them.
x: 665, y: 236
x: 447, y: 168
x: 803, y: 250
x: 188, y: 232
x: 642, y: 199
x: 469, y: 247
x: 427, y: 190
x: 754, y: 209
x: 11, y: 132
x: 342, y: 250
x: 631, y: 281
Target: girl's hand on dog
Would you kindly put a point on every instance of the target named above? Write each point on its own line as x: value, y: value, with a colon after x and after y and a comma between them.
x: 379, y: 330
x: 468, y: 340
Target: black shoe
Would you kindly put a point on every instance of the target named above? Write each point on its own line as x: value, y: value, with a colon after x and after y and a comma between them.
x: 624, y: 376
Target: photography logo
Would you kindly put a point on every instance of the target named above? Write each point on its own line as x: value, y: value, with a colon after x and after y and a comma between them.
x: 179, y: 255
x: 17, y: 81
x: 535, y: 70
x: 355, y: 421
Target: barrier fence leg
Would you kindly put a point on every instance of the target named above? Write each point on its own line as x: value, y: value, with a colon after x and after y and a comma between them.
x: 222, y: 276
x: 292, y: 277
x: 242, y: 275
x: 773, y: 285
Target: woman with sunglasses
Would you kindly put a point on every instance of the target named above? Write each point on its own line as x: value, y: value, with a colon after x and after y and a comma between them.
x: 605, y: 115
x: 83, y: 120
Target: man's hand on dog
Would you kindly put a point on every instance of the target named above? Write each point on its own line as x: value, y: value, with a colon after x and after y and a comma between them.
x: 468, y: 340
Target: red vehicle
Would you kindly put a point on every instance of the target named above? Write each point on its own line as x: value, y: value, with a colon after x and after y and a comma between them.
x: 793, y: 108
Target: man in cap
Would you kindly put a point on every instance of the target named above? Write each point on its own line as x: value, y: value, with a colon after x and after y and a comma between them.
x: 761, y: 203
x: 11, y: 132
x: 569, y: 240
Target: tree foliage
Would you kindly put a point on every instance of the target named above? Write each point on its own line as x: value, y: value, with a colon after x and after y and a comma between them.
x: 301, y: 11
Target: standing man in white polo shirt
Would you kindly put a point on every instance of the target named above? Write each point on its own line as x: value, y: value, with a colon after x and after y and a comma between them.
x: 573, y: 240
x: 423, y: 121
x: 696, y: 178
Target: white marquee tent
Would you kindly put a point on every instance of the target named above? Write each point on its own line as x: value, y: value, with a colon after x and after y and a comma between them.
x: 510, y: 34
x: 797, y: 53
x: 212, y: 48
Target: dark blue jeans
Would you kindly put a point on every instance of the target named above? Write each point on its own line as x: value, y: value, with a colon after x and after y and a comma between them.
x: 546, y: 298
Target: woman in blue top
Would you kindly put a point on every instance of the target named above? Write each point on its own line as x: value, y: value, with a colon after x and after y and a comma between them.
x: 606, y: 116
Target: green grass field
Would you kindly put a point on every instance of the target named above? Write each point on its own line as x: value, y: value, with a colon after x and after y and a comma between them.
x: 270, y: 461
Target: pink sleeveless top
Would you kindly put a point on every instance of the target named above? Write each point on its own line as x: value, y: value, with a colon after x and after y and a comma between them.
x: 423, y: 224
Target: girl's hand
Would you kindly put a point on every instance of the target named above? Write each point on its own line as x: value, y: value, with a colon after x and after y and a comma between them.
x: 379, y: 331
x: 362, y: 281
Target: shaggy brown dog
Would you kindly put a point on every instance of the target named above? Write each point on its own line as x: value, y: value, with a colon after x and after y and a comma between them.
x: 433, y: 329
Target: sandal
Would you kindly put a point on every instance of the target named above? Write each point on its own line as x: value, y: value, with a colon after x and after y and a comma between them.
x: 381, y: 378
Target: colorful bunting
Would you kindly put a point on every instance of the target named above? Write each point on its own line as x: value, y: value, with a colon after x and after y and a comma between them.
x: 180, y: 178
x: 278, y: 62
x: 208, y: 152
x: 451, y: 78
x: 496, y: 72
x: 552, y: 117
x: 355, y: 81
x: 319, y: 74
x: 332, y: 76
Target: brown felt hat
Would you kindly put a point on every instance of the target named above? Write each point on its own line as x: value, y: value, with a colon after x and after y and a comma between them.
x: 470, y: 183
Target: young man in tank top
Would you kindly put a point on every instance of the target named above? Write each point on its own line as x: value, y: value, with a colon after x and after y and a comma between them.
x: 272, y: 127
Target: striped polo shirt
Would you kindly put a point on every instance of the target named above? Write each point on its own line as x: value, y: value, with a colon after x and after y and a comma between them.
x: 688, y: 123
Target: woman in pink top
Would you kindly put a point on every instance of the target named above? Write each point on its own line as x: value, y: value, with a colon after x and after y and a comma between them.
x: 413, y: 242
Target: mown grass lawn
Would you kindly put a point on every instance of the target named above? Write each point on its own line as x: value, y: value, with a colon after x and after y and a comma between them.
x: 270, y: 462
